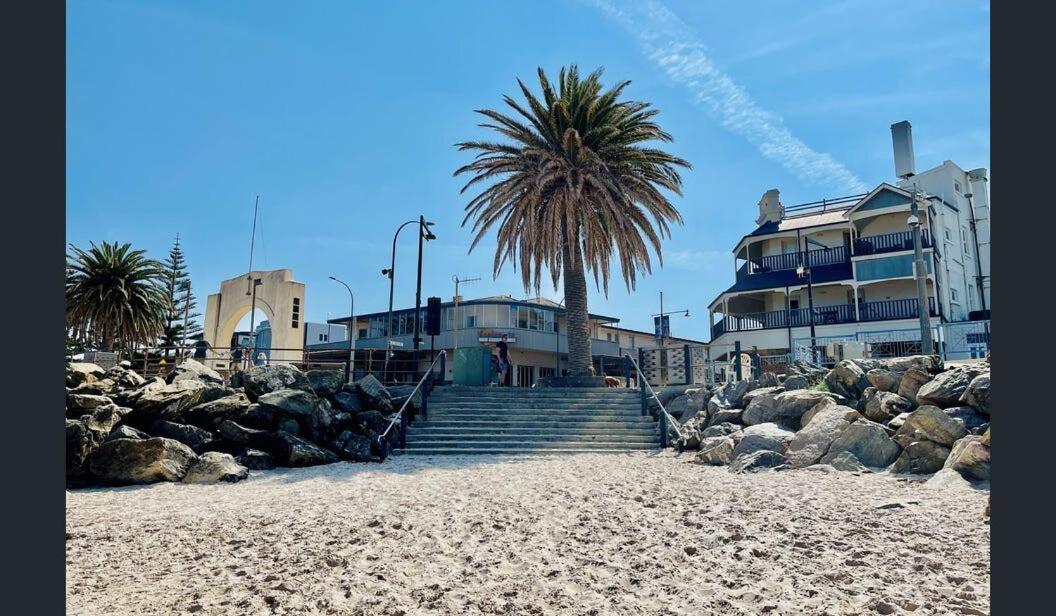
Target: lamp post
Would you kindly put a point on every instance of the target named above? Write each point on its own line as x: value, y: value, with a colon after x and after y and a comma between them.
x: 920, y: 269
x: 804, y: 271
x: 351, y: 324
x: 660, y: 331
x: 186, y: 311
x: 252, y: 317
x: 423, y: 233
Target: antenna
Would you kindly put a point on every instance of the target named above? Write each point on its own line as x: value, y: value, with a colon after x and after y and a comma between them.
x: 253, y: 237
x: 458, y: 322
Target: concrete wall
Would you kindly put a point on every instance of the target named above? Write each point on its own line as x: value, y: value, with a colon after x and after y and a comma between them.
x: 274, y: 297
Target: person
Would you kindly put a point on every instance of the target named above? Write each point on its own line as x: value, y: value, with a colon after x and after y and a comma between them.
x: 236, y: 358
x: 200, y: 349
x: 262, y: 359
x: 504, y: 361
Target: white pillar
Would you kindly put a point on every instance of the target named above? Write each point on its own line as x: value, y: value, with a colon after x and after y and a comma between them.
x: 857, y: 314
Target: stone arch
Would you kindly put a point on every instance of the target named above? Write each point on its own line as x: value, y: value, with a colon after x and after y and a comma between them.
x: 279, y: 297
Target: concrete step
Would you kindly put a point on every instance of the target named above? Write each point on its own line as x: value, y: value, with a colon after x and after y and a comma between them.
x: 541, y: 424
x: 551, y: 411
x: 517, y: 444
x: 629, y: 395
x: 529, y: 430
x: 560, y: 416
x: 517, y: 451
x: 414, y: 439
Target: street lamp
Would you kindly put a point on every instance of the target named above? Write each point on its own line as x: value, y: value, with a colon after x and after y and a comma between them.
x: 423, y: 233
x: 252, y: 317
x: 351, y: 324
x: 920, y: 273
x: 803, y: 271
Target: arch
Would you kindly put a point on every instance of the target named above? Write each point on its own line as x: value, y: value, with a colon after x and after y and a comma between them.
x: 279, y: 297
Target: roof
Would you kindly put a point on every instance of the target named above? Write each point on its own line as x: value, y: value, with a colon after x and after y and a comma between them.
x: 800, y: 222
x: 539, y: 302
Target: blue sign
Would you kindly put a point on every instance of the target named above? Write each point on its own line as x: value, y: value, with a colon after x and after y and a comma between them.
x: 666, y: 333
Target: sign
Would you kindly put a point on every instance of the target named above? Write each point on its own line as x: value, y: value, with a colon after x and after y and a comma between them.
x: 487, y: 335
x: 666, y: 333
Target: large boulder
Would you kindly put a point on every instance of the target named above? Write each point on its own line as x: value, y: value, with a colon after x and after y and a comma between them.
x: 813, y: 373
x: 812, y: 442
x: 882, y: 406
x: 255, y: 459
x: 128, y: 461
x: 682, y: 407
x: 968, y: 416
x: 847, y: 462
x: 757, y: 461
x: 290, y: 450
x: 214, y: 466
x: 354, y: 447
x: 931, y: 364
x: 79, y: 404
x: 373, y: 394
x: 102, y: 420
x: 948, y: 479
x: 260, y: 380
x: 290, y: 402
x: 348, y: 401
x: 372, y: 422
x: 197, y: 439
x: 826, y: 403
x: 731, y: 430
x: 921, y: 457
x: 239, y: 434
x: 786, y: 407
x: 796, y: 381
x: 727, y: 396
x: 977, y: 394
x: 971, y: 458
x: 884, y: 380
x: 733, y: 416
x: 867, y: 441
x: 209, y: 415
x: 763, y: 437
x: 715, y: 450
x: 769, y: 392
x: 124, y: 377
x: 79, y: 445
x: 912, y: 380
x: 166, y: 402
x: 258, y: 417
x: 127, y: 432
x: 325, y: 382
x: 194, y: 371
x: 946, y: 388
x: 847, y: 379
x: 78, y: 373
x: 929, y: 423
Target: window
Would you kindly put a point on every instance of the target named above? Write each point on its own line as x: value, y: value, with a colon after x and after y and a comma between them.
x: 964, y: 239
x: 320, y: 337
x: 971, y: 297
x: 949, y: 238
x: 362, y: 332
x: 957, y: 186
x: 296, y: 319
x: 953, y: 294
x: 608, y: 336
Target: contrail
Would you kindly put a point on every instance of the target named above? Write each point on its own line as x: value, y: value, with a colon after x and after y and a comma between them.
x: 673, y: 46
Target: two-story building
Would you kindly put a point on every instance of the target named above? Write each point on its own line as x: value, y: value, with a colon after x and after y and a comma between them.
x: 853, y: 259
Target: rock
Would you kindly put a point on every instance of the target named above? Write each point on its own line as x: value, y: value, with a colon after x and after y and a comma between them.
x: 867, y: 441
x: 192, y: 370
x: 812, y: 442
x: 78, y: 373
x: 968, y: 416
x: 898, y: 421
x: 214, y: 466
x: 257, y: 416
x: 290, y: 450
x: 727, y: 396
x: 124, y: 377
x: 946, y: 389
x: 881, y: 406
x: 238, y: 434
x: 127, y: 432
x: 929, y: 423
x: 847, y: 379
x: 800, y: 367
x: 129, y: 461
x: 197, y: 439
x: 723, y: 429
x: 971, y: 458
x: 325, y: 382
x: 260, y: 380
x: 341, y: 422
x: 796, y: 382
x: 255, y: 459
x: 372, y: 422
x: 209, y: 414
x: 977, y: 394
x: 931, y: 364
x: 727, y: 416
x: 986, y: 438
x: 921, y: 457
x: 948, y: 479
x: 78, y: 404
x: 214, y: 392
x: 786, y: 407
x: 847, y: 462
x: 290, y: 402
x: 770, y: 392
x: 884, y: 380
x: 763, y: 437
x: 716, y: 450
x: 102, y: 420
x: 373, y: 394
x: 754, y: 462
x: 129, y: 397
x: 398, y: 395
x: 348, y: 401
x: 768, y: 379
x: 78, y: 447
x: 166, y: 402
x: 912, y: 380
x: 814, y: 410
x: 354, y: 447
x: 289, y: 425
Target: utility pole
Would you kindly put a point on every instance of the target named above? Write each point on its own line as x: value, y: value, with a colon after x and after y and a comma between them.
x: 186, y: 310
x: 660, y: 327
x: 457, y: 298
x: 920, y: 269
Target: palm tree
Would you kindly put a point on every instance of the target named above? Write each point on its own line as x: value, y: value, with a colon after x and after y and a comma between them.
x: 576, y: 185
x: 114, y: 295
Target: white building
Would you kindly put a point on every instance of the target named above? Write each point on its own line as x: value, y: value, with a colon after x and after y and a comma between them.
x: 857, y: 252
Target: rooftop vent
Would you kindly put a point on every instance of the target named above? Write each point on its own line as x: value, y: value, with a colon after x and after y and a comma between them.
x: 902, y: 140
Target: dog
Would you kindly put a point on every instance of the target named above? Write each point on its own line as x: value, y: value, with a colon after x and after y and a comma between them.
x: 611, y: 381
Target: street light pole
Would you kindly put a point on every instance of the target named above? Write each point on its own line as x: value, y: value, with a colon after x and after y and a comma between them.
x: 256, y: 282
x: 423, y: 234
x: 391, y: 273
x: 186, y: 310
x: 920, y: 273
x: 351, y: 324
x: 804, y: 270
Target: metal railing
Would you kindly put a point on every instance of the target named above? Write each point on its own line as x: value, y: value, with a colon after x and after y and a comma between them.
x: 888, y: 242
x: 665, y: 418
x: 792, y: 260
x: 823, y: 315
x: 401, y: 416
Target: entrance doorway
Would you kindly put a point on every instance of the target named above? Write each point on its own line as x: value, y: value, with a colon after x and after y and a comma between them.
x: 525, y: 376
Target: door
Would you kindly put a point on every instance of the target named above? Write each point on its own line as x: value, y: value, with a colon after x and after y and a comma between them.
x: 525, y: 376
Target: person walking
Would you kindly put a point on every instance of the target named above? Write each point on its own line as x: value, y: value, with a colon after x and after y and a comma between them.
x: 261, y: 360
x: 504, y: 362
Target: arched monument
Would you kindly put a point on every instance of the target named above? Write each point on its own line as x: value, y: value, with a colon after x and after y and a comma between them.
x: 279, y: 297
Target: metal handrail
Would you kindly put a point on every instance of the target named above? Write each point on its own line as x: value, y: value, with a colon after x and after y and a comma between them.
x: 641, y: 379
x: 399, y: 413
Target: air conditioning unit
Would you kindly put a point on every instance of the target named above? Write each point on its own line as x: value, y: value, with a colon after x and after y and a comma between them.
x: 847, y: 349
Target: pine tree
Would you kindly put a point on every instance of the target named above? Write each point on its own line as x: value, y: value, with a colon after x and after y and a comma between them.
x: 181, y: 300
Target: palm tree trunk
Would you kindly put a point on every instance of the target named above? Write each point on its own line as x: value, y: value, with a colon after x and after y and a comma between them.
x: 578, y: 328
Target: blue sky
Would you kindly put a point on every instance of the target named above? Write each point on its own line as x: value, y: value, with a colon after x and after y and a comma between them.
x: 342, y: 116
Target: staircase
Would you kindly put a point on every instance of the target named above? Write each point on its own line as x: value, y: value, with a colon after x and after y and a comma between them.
x: 465, y: 420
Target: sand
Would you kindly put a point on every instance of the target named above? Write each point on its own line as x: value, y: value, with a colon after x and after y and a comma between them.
x: 640, y: 533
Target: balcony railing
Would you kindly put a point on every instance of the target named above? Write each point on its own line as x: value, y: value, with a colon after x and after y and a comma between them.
x: 823, y: 315
x: 888, y: 242
x: 792, y: 260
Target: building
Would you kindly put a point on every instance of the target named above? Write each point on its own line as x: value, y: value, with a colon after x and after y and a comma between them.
x: 857, y: 254
x: 534, y: 329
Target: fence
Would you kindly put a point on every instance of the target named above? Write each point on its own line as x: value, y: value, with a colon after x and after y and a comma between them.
x: 953, y: 341
x: 685, y: 365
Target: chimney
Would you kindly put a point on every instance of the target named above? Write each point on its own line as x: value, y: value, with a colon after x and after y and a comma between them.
x: 902, y: 140
x: 770, y: 208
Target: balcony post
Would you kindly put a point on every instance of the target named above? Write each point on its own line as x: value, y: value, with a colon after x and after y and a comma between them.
x: 857, y: 314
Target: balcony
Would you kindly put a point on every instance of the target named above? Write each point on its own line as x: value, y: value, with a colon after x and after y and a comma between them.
x: 773, y: 271
x: 792, y: 260
x: 888, y: 242
x: 823, y: 315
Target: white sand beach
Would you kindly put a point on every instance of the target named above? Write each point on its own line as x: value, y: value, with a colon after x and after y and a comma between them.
x: 639, y: 533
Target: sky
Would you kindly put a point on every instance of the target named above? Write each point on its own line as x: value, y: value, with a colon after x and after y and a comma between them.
x: 342, y: 117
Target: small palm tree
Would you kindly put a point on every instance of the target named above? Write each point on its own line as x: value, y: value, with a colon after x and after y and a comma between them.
x: 114, y: 295
x: 574, y: 185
